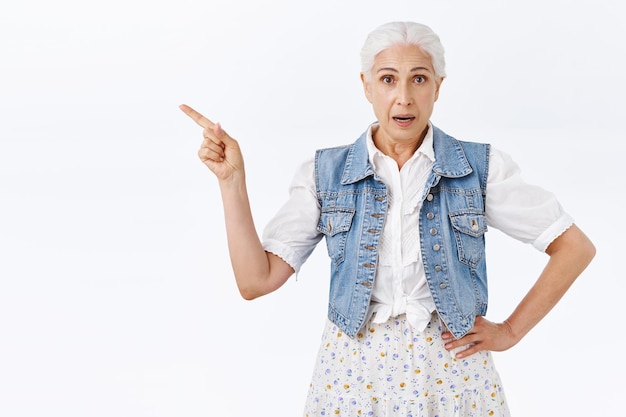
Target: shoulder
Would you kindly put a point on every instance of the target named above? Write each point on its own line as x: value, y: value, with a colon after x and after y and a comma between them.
x: 441, y: 136
x: 501, y: 165
x: 360, y: 142
x: 333, y: 149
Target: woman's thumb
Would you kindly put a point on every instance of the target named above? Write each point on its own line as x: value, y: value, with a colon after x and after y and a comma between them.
x: 219, y: 132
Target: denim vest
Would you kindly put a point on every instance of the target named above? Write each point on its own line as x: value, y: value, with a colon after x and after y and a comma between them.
x: 452, y: 225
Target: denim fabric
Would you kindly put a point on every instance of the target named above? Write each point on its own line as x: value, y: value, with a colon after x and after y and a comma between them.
x: 353, y: 202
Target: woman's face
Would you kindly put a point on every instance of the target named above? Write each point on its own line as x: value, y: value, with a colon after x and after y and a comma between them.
x: 403, y: 90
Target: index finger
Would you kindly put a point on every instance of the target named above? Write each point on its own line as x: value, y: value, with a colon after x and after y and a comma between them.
x: 197, y: 117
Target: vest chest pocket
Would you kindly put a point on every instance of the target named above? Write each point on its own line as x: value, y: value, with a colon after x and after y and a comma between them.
x: 469, y: 228
x: 334, y: 223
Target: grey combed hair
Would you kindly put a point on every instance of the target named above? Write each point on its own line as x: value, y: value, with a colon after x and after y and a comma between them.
x: 402, y: 33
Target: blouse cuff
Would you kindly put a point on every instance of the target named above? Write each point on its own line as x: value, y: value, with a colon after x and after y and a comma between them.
x: 284, y: 252
x: 555, y: 230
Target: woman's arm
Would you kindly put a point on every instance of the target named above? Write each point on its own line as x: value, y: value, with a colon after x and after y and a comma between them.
x: 570, y: 253
x: 257, y: 272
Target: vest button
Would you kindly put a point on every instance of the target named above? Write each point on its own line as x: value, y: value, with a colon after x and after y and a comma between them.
x: 436, y: 247
x: 429, y: 197
x: 430, y: 216
x: 438, y: 268
x: 433, y: 231
x: 443, y: 285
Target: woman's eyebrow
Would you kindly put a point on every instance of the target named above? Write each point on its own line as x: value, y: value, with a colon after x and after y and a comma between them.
x: 391, y: 69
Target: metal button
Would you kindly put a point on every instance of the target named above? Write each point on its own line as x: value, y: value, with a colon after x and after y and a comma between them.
x: 430, y: 216
x: 443, y: 285
x: 438, y: 268
x: 433, y: 231
x: 429, y: 197
x: 436, y: 247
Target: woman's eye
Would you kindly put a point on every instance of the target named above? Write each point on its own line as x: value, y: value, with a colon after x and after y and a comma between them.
x: 387, y: 79
x: 420, y: 79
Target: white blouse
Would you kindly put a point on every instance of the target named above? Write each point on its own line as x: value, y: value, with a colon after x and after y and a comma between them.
x: 525, y: 212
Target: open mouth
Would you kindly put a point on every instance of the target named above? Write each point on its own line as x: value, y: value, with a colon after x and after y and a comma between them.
x: 403, y: 119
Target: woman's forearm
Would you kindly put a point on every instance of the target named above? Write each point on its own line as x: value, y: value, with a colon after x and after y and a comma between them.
x: 256, y: 271
x: 569, y: 254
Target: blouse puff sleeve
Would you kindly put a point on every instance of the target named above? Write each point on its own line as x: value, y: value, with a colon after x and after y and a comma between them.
x: 292, y: 233
x: 522, y: 211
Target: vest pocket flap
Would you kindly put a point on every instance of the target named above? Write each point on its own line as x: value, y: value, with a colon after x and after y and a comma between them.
x: 470, y: 222
x: 335, y: 220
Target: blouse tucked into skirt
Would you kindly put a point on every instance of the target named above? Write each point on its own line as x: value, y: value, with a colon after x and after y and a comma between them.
x: 398, y: 365
x: 391, y: 369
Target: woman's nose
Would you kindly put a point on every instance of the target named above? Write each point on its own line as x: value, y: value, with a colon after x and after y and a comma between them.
x: 404, y: 97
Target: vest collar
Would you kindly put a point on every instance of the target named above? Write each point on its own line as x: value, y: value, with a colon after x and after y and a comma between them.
x: 450, y: 160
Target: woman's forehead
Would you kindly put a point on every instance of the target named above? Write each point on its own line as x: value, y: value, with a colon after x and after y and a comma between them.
x: 403, y: 56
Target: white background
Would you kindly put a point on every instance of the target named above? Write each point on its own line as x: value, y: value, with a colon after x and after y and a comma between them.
x: 116, y: 294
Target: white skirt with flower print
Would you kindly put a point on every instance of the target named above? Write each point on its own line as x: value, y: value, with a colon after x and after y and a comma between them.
x: 391, y: 370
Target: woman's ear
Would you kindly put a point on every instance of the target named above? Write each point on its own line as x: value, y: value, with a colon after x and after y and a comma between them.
x: 438, y: 86
x: 366, y: 87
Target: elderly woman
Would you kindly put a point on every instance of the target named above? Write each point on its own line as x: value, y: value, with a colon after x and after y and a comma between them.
x: 403, y: 210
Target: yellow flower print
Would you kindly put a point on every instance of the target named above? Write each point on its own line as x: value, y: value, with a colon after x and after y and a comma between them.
x: 339, y: 334
x: 372, y: 330
x: 491, y: 413
x: 439, y: 381
x: 382, y: 354
x: 402, y: 384
x: 346, y: 386
x: 429, y: 339
x: 493, y: 395
x: 360, y: 335
x: 368, y: 386
x: 417, y: 371
x: 328, y: 386
x: 337, y: 412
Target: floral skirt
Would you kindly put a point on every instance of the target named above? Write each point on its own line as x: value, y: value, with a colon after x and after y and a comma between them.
x: 391, y: 370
